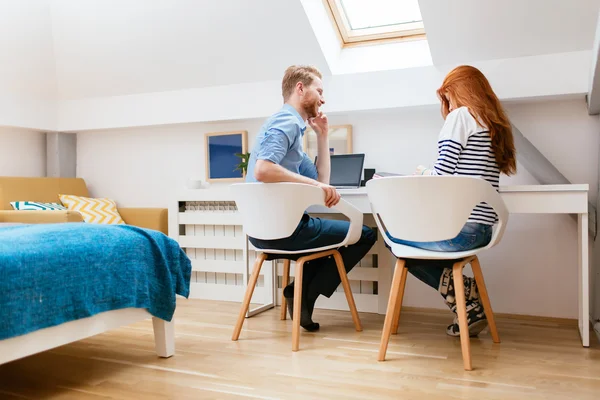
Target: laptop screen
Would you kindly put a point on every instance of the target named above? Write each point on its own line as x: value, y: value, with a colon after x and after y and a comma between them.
x: 346, y: 169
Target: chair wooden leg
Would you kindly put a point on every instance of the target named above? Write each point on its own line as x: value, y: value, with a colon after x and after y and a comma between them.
x: 248, y: 296
x: 390, y: 313
x: 461, y: 310
x: 297, y: 304
x: 286, y: 281
x: 485, y: 299
x: 346, y: 284
x: 399, y: 264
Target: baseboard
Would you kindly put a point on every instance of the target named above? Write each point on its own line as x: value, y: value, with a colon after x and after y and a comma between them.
x: 597, y: 330
x: 557, y: 320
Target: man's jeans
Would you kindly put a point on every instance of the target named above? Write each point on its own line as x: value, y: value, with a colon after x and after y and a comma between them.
x: 321, y: 275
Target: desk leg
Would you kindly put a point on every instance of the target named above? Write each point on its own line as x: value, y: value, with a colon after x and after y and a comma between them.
x: 584, y: 279
x: 269, y: 275
x: 386, y: 272
x: 269, y: 279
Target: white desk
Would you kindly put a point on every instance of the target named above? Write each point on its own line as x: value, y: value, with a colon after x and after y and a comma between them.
x: 530, y: 199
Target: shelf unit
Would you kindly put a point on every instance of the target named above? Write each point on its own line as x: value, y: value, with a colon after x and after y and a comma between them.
x: 207, y: 225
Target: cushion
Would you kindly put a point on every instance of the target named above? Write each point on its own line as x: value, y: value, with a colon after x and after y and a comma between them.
x: 95, y: 211
x: 36, y: 206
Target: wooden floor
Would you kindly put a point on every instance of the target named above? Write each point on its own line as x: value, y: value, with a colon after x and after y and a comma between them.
x: 536, y: 360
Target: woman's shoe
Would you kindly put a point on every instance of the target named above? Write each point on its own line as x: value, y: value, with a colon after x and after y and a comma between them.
x: 476, y: 320
x: 446, y: 288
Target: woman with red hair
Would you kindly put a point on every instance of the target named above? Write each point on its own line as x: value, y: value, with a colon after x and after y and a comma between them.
x: 476, y: 140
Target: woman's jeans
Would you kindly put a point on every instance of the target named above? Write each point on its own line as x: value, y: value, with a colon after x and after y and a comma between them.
x: 473, y: 235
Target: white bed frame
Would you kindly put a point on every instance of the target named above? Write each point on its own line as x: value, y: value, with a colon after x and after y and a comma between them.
x: 72, y: 331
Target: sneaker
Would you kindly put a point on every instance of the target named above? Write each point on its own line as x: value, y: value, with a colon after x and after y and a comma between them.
x: 476, y: 320
x: 446, y: 288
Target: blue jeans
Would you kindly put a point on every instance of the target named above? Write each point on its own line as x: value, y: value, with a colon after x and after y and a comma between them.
x: 321, y: 276
x: 471, y: 236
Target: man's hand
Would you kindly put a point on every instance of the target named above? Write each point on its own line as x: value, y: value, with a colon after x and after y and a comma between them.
x: 332, y: 197
x: 319, y: 124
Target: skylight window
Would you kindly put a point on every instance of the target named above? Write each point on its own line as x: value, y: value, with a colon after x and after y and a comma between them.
x: 373, y: 21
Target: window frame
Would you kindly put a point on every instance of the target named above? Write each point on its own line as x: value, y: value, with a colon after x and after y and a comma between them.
x: 353, y: 37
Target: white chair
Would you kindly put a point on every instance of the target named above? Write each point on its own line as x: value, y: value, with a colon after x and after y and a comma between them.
x: 273, y: 211
x: 432, y: 208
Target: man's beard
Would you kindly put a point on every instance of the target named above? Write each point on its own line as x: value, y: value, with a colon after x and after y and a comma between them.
x: 311, y: 109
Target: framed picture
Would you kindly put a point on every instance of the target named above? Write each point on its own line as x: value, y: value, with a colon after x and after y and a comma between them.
x: 340, y: 141
x: 221, y: 159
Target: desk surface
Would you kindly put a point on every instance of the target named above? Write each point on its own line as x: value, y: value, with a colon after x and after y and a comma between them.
x: 223, y: 193
x: 519, y: 199
x: 503, y: 189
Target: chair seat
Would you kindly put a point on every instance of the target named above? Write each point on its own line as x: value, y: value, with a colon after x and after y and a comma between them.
x: 295, y: 254
x: 403, y: 251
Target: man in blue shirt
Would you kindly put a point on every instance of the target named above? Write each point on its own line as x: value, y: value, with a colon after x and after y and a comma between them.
x: 277, y: 156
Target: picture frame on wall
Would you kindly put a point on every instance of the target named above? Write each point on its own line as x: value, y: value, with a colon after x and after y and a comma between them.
x: 221, y: 155
x: 340, y: 141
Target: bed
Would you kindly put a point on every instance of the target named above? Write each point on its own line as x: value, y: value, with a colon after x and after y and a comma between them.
x: 64, y: 282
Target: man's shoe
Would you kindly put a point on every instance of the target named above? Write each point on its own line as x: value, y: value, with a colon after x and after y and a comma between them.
x: 305, y: 311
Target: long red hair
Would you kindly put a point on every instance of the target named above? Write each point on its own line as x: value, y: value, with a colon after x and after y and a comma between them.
x: 467, y: 86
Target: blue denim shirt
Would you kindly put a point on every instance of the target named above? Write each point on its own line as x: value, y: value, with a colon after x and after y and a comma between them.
x: 280, y: 141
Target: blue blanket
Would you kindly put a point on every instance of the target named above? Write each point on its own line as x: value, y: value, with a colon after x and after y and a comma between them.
x: 54, y: 273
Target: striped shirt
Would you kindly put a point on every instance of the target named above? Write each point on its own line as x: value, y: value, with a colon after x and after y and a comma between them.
x: 465, y: 148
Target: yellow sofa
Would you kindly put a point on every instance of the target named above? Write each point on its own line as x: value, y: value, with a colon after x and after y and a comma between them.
x: 46, y: 190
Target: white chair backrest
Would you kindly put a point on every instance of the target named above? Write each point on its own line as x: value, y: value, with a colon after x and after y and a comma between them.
x: 431, y: 208
x: 273, y: 210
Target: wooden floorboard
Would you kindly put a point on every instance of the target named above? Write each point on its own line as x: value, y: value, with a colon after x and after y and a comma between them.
x: 537, y: 359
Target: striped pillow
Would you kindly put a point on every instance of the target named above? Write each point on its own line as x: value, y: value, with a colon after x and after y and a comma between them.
x: 36, y: 206
x: 96, y: 211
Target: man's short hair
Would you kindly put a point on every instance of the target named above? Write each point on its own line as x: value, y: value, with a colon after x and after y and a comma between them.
x: 295, y: 74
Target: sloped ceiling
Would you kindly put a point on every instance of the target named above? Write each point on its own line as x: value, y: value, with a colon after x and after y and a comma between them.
x: 27, y: 62
x: 119, y: 47
x: 123, y: 62
x: 462, y: 31
x: 27, y: 74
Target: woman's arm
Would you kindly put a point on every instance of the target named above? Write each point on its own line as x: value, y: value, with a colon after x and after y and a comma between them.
x: 452, y: 140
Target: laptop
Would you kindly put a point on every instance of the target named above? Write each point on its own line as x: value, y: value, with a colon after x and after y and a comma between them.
x: 346, y: 170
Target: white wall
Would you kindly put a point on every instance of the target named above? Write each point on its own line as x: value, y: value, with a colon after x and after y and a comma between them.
x: 533, y: 271
x: 27, y: 71
x: 146, y: 166
x: 22, y: 152
x: 565, y: 133
x: 564, y: 74
x: 61, y: 155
